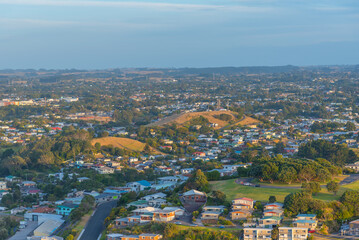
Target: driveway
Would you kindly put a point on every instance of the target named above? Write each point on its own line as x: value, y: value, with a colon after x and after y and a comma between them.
x: 23, y: 233
x: 95, y: 225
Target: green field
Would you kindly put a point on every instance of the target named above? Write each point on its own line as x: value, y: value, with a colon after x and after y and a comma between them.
x: 234, y: 190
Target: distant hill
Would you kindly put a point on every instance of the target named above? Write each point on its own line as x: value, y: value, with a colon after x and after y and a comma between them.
x: 247, y: 121
x: 212, y: 116
x: 123, y: 143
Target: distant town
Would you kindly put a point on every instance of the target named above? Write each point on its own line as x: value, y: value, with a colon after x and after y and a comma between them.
x: 194, y: 153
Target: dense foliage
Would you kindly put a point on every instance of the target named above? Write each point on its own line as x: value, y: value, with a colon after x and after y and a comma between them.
x: 338, y: 154
x: 288, y: 170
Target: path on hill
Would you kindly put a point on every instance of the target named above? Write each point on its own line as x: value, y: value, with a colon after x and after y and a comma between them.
x: 165, y: 120
x: 95, y: 225
x: 234, y: 124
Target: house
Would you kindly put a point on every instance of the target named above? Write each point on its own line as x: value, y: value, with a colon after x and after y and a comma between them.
x: 154, y: 196
x: 105, y: 170
x: 105, y: 197
x: 82, y: 179
x: 240, y: 214
x: 308, y: 221
x: 292, y: 233
x: 10, y: 178
x: 28, y: 184
x: 130, y: 237
x: 218, y: 209
x: 194, y: 196
x: 3, y: 185
x: 149, y: 236
x: 354, y: 228
x: 210, y: 217
x: 65, y: 208
x: 178, y: 211
x: 273, y: 213
x: 269, y: 221
x: 43, y: 209
x: 164, y: 215
x: 140, y: 211
x: 143, y: 236
x: 271, y: 206
x: 187, y: 170
x: 138, y: 204
x: 139, y: 185
x: 47, y: 228
x: 121, y: 222
x: 257, y: 233
x: 114, y: 236
x: 242, y: 203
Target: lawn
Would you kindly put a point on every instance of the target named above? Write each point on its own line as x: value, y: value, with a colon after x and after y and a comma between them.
x: 234, y: 190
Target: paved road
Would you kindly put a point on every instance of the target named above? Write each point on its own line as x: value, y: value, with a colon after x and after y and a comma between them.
x: 352, y: 178
x: 95, y: 225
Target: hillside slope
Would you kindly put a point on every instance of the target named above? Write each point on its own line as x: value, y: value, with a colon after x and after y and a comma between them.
x: 123, y: 143
x: 180, y: 119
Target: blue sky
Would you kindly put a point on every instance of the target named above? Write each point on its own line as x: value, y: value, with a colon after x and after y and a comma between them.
x: 96, y: 34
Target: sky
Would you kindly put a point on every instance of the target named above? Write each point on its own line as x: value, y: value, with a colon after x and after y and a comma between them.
x: 100, y: 34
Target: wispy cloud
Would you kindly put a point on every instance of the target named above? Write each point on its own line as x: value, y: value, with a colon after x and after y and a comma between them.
x: 26, y: 22
x: 133, y: 4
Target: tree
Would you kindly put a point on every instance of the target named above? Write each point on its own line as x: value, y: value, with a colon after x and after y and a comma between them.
x: 312, y: 187
x: 213, y: 175
x: 333, y: 187
x: 98, y: 146
x: 287, y: 175
x: 219, y: 197
x: 297, y: 202
x: 275, y: 233
x: 147, y: 149
x: 349, y: 126
x: 269, y: 171
x: 272, y: 199
x: 3, y: 234
x: 279, y: 148
x: 307, y: 173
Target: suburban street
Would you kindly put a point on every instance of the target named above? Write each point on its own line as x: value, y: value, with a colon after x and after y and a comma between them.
x: 95, y: 225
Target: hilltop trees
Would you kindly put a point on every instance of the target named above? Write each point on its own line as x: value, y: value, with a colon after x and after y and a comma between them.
x: 338, y: 154
x: 288, y: 170
x: 48, y: 152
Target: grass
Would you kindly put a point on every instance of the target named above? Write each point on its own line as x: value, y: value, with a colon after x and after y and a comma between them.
x: 248, y: 121
x: 181, y: 119
x: 82, y: 223
x: 124, y: 143
x: 296, y: 184
x: 234, y: 190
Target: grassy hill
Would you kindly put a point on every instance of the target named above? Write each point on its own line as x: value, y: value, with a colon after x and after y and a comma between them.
x: 183, y: 118
x: 123, y: 143
x: 212, y: 116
